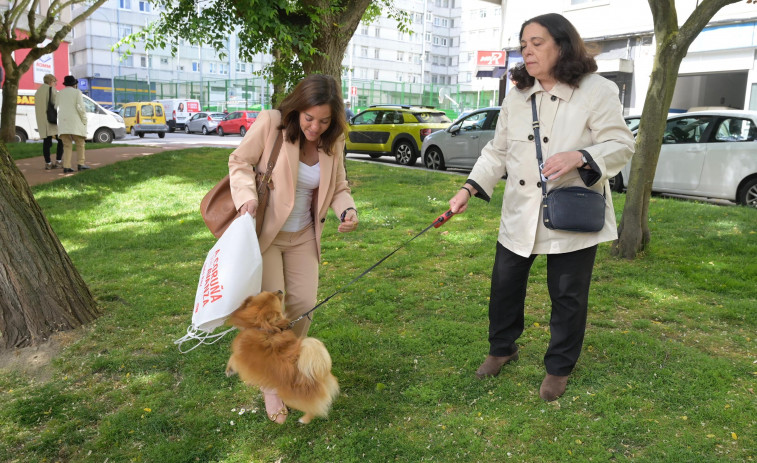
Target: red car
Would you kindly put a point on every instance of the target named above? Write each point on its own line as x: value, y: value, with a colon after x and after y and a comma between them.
x: 237, y: 122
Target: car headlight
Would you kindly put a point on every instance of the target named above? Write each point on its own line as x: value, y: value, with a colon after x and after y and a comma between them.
x: 118, y: 118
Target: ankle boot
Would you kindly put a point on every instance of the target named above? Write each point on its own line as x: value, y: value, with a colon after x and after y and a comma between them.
x: 493, y: 364
x: 552, y: 387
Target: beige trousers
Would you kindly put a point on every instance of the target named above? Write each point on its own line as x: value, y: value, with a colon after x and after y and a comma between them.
x: 67, y: 154
x: 290, y: 264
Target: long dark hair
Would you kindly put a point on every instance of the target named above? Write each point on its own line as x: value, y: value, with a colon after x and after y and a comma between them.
x: 314, y: 90
x: 574, y: 62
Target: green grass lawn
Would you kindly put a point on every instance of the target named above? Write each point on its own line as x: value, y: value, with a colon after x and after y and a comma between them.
x: 667, y: 374
x: 20, y: 151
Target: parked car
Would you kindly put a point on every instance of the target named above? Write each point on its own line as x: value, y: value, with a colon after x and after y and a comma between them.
x: 393, y: 130
x: 204, y: 122
x: 710, y: 154
x: 143, y: 117
x: 460, y: 144
x: 237, y: 122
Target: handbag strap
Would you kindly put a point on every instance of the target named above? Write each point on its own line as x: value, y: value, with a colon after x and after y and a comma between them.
x: 50, y: 96
x: 272, y: 158
x: 535, y: 126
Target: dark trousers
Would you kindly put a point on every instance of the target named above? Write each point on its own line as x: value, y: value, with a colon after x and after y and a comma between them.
x: 47, y: 143
x: 568, y: 280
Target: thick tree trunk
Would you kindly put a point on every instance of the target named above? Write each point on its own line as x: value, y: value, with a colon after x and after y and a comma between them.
x: 10, y: 93
x: 40, y: 289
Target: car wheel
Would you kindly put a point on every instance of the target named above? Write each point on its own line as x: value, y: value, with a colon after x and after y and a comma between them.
x: 133, y: 132
x: 103, y: 136
x: 616, y: 183
x: 220, y: 131
x: 20, y: 136
x: 141, y: 135
x: 242, y: 131
x: 186, y: 129
x: 404, y: 153
x: 434, y: 159
x: 204, y: 130
x: 748, y: 194
x: 161, y: 135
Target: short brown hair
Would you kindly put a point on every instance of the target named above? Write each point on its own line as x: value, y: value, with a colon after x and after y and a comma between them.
x: 314, y: 90
x: 574, y: 62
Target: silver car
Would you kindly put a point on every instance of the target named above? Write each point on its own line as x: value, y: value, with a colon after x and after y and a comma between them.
x: 710, y: 154
x: 204, y: 122
x: 459, y: 145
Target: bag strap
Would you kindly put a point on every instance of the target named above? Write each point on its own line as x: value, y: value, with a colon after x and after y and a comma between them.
x: 50, y: 96
x: 272, y: 158
x: 535, y: 126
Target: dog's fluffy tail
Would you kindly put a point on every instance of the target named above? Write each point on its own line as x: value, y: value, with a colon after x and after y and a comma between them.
x: 314, y: 361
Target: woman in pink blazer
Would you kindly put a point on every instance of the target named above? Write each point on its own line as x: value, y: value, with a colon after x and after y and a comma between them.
x: 308, y: 178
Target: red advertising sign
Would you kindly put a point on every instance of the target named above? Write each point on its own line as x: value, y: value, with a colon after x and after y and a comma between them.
x: 491, y: 58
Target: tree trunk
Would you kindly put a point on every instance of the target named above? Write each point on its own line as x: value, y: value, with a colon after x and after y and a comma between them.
x: 633, y: 231
x: 10, y: 94
x: 40, y: 289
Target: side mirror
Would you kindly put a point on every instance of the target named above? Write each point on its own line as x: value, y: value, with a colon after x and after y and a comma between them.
x: 453, y: 129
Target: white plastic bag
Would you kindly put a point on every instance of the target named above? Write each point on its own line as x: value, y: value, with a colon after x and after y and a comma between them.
x: 233, y: 270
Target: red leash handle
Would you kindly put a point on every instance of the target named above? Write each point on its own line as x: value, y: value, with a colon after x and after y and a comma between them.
x: 443, y: 218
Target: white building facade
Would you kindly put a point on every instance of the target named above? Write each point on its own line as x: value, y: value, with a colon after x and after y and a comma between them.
x: 719, y: 69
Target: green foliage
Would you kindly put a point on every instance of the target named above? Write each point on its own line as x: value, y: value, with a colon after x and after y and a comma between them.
x: 667, y: 373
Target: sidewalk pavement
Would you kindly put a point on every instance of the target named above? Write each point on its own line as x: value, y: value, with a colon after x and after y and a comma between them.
x: 35, y: 173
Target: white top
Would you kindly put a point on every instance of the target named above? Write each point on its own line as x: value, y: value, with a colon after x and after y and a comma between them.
x: 308, y: 179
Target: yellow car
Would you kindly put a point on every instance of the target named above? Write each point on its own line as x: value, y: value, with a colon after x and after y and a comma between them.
x: 393, y: 130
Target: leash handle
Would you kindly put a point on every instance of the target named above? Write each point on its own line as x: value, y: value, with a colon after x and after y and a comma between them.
x: 443, y: 218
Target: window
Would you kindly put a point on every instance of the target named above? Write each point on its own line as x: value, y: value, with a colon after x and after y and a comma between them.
x: 211, y: 67
x: 147, y: 110
x: 376, y: 32
x: 736, y: 130
x: 367, y: 117
x: 127, y: 61
x: 364, y: 30
x: 376, y: 53
x: 241, y: 67
x: 195, y: 66
x: 375, y: 75
x: 124, y: 31
x: 400, y: 56
x: 686, y: 129
x: 163, y: 60
x: 143, y: 61
x: 124, y: 4
x: 144, y: 6
x: 364, y: 51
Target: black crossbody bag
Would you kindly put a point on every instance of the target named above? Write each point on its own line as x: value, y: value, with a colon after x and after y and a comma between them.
x: 52, y: 114
x: 572, y: 208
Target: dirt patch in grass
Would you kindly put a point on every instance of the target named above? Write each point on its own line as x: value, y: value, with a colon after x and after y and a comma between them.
x: 33, y: 361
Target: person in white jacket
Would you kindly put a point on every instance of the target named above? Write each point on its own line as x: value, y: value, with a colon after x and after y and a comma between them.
x: 47, y: 130
x: 72, y: 123
x: 584, y: 142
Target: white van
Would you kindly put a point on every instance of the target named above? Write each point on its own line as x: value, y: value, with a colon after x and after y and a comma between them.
x: 178, y: 111
x: 102, y: 125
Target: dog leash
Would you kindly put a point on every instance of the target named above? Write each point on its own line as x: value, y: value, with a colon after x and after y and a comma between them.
x: 436, y: 224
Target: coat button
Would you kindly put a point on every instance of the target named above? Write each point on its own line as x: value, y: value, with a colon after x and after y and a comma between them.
x: 553, y: 98
x: 538, y: 184
x: 531, y: 137
x: 323, y: 220
x: 522, y: 182
x: 545, y: 139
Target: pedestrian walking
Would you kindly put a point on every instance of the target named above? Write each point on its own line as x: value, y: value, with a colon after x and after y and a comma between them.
x: 45, y: 95
x: 72, y: 123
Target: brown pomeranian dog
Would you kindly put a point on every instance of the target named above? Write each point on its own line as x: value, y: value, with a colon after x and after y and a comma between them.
x: 266, y: 353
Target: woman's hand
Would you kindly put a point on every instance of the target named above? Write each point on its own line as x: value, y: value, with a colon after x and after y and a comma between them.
x: 250, y: 206
x: 350, y: 221
x: 560, y: 164
x: 459, y: 203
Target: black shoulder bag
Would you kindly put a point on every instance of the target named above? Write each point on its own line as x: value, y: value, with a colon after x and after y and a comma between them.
x: 573, y: 208
x: 52, y: 114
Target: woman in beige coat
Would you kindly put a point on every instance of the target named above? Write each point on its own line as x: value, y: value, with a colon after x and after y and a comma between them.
x: 72, y: 123
x: 308, y: 179
x: 585, y: 142
x: 45, y: 94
